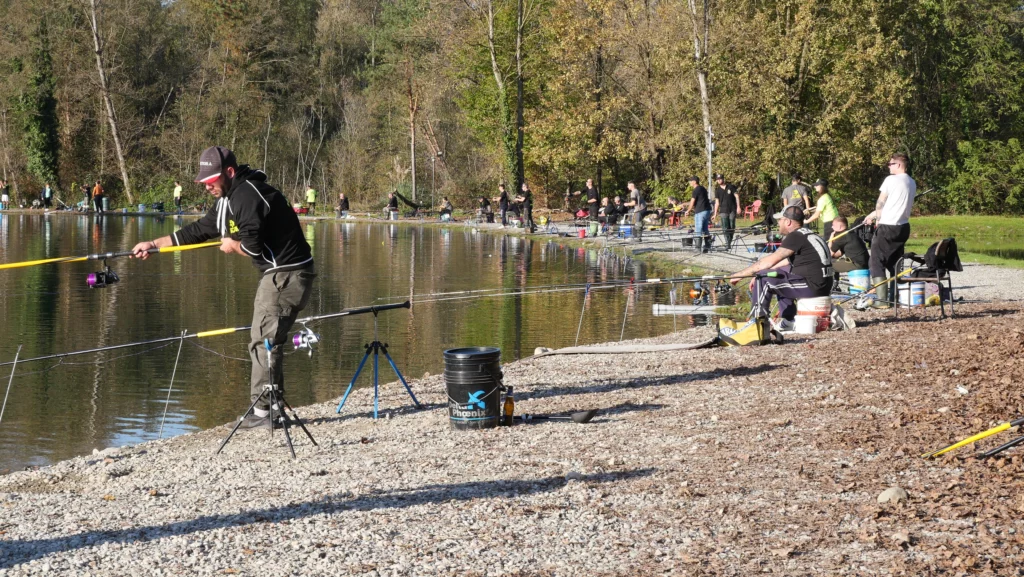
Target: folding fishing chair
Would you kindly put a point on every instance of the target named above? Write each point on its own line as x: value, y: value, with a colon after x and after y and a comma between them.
x: 935, y: 267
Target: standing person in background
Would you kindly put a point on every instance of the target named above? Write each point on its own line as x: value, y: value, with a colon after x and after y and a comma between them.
x: 700, y: 206
x: 593, y: 198
x: 892, y: 211
x: 5, y: 195
x: 97, y: 196
x: 796, y: 194
x: 502, y: 200
x: 87, y: 200
x: 342, y: 209
x: 311, y: 199
x: 47, y: 196
x: 825, y: 209
x: 526, y: 199
x: 177, y: 196
x: 727, y: 208
x: 638, y: 203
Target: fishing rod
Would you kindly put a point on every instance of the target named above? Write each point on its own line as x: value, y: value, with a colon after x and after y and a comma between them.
x: 978, y: 437
x: 105, y: 277
x: 853, y: 228
x: 539, y: 289
x: 304, y: 339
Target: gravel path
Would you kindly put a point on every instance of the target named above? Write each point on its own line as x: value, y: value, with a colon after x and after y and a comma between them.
x: 724, y: 461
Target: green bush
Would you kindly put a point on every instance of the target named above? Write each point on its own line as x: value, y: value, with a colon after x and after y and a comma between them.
x: 987, y: 177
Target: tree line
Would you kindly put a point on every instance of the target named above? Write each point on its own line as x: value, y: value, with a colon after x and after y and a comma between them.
x: 449, y: 97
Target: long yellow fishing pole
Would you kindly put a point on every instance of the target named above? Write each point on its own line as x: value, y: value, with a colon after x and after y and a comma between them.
x: 102, y: 256
x: 975, y: 438
x: 213, y: 333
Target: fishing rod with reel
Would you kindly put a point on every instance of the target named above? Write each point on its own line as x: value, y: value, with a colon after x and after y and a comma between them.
x: 105, y: 277
x: 304, y: 339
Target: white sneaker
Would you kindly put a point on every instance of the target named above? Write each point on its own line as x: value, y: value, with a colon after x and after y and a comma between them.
x: 783, y: 326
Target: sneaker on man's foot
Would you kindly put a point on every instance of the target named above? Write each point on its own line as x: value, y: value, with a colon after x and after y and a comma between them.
x: 783, y: 326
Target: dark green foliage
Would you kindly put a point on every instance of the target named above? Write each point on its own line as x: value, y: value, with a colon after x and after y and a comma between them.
x: 38, y: 108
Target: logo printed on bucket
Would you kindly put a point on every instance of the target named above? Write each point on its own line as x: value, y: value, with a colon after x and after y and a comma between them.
x: 477, y: 399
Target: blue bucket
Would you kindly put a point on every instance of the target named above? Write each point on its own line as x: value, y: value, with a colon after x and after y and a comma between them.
x: 626, y: 230
x: 860, y: 280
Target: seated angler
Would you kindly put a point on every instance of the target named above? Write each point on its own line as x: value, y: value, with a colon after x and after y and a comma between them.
x: 848, y: 251
x: 800, y: 268
x: 666, y: 213
x: 603, y: 211
x: 392, y: 205
x: 619, y: 209
x: 446, y: 208
x: 484, y: 212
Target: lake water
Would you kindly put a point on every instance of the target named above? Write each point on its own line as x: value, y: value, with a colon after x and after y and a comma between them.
x: 64, y: 407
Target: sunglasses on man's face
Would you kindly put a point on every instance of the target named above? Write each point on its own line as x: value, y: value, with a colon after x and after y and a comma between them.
x: 893, y: 163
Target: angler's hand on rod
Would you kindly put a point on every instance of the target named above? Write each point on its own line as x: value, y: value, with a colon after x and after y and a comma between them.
x: 230, y: 246
x: 143, y: 249
x: 148, y: 247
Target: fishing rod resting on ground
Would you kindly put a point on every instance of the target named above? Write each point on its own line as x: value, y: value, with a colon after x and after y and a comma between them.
x: 303, y: 339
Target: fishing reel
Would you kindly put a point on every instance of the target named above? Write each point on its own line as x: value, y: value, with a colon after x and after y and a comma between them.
x: 102, y: 278
x: 305, y: 339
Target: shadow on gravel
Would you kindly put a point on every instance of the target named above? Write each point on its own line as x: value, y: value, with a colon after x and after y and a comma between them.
x: 18, y: 552
x: 345, y: 415
x: 931, y: 316
x: 641, y: 383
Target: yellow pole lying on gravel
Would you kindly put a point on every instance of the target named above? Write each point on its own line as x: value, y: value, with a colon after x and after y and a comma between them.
x: 975, y: 438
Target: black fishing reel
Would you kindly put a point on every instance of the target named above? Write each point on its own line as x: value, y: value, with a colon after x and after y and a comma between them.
x: 102, y: 278
x: 305, y: 339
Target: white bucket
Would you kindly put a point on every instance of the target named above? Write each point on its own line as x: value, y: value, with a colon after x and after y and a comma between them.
x: 393, y: 215
x: 912, y: 294
x: 805, y: 325
x: 818, y: 309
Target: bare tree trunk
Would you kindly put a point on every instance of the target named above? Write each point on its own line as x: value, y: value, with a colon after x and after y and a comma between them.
x: 701, y: 34
x: 520, y: 24
x: 266, y: 143
x: 4, y: 143
x: 414, y: 107
x: 111, y: 116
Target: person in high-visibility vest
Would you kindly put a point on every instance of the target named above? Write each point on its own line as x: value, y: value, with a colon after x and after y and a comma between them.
x: 311, y: 199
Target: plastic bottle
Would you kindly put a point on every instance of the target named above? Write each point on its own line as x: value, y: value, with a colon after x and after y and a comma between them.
x: 508, y: 411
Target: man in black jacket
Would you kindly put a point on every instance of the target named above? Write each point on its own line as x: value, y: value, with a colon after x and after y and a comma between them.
x: 253, y: 219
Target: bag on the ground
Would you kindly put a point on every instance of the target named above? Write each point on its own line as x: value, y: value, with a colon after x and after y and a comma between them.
x: 740, y: 334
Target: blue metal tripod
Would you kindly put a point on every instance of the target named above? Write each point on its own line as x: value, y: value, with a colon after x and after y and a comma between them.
x: 376, y: 347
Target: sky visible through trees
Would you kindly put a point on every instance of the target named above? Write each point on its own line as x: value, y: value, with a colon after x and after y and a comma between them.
x: 329, y: 93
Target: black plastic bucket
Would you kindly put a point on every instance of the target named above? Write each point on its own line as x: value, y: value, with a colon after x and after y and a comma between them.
x: 472, y: 378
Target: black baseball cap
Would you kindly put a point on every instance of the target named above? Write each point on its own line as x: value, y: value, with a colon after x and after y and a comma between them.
x: 719, y: 176
x: 212, y: 163
x: 820, y: 182
x: 694, y: 179
x: 792, y: 213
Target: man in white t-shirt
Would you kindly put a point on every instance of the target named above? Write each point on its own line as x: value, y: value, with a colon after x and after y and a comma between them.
x: 892, y: 214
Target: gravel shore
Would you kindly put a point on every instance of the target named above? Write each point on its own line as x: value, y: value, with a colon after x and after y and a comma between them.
x: 723, y: 461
